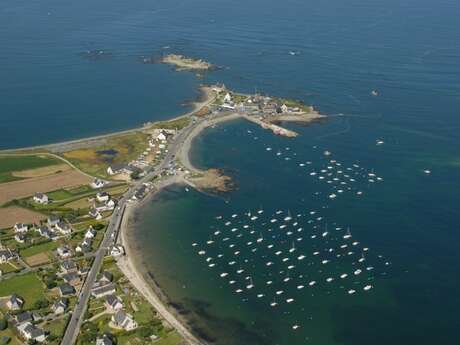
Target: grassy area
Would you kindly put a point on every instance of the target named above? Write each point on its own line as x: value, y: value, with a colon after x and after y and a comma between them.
x: 118, y: 149
x: 172, y: 338
x: 9, y: 164
x: 173, y: 124
x: 56, y: 328
x: 8, y: 268
x: 39, y: 248
x: 28, y: 286
x: 9, y: 333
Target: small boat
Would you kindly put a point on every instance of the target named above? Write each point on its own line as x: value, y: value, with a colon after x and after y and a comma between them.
x: 329, y: 279
x: 347, y: 235
x: 223, y: 275
x: 374, y: 93
x: 300, y: 287
x: 290, y: 300
x: 343, y: 276
x: 294, y: 327
x: 274, y: 303
x: 351, y: 291
x: 279, y: 292
x: 312, y: 283
x: 427, y: 172
x: 367, y: 287
x: 201, y: 252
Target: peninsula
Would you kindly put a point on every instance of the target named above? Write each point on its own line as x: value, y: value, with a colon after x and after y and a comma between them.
x: 79, y: 198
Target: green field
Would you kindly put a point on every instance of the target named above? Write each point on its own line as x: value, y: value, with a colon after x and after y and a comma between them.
x: 9, y: 164
x: 172, y: 338
x: 27, y: 286
x: 39, y: 248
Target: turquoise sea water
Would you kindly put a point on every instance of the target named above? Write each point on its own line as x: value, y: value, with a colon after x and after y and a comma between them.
x: 407, y: 50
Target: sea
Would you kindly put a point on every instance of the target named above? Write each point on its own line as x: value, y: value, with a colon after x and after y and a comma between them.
x: 374, y: 188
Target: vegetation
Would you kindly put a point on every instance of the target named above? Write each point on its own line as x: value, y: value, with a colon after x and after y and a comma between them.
x: 117, y: 149
x: 28, y: 286
x: 178, y: 123
x: 10, y: 164
x: 39, y: 248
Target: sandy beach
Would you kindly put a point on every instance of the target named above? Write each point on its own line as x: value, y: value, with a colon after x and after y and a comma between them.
x: 131, y: 266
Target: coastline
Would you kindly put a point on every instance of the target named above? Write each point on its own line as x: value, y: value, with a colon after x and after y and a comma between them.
x: 132, y: 267
x: 206, y: 97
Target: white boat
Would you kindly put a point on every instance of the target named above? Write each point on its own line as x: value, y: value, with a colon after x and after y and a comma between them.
x: 312, y: 283
x: 367, y: 287
x: 292, y: 249
x: 239, y: 291
x: 201, y: 252
x: 348, y: 234
x: 329, y: 279
x: 274, y: 303
x: 289, y: 300
x: 351, y: 291
x: 301, y: 257
x: 343, y: 276
x: 294, y: 327
x: 357, y: 272
x: 223, y: 275
x: 194, y: 244
x: 260, y: 295
x: 332, y: 196
x: 300, y: 287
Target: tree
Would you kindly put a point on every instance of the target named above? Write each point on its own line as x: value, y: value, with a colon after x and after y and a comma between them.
x: 41, y: 303
x: 3, y: 324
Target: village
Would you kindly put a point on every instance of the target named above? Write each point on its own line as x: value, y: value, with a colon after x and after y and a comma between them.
x: 56, y: 211
x: 43, y: 264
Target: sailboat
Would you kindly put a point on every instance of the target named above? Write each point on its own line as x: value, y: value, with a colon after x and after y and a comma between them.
x: 348, y: 234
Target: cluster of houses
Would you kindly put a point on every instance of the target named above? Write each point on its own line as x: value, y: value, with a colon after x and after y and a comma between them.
x: 105, y: 288
x: 258, y: 104
x: 85, y: 245
x: 6, y: 255
x: 157, y: 143
x: 52, y: 229
x: 102, y: 203
x: 24, y: 321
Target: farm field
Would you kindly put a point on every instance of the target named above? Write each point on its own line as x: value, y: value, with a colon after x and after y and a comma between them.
x: 11, y: 166
x: 39, y: 248
x: 13, y: 214
x: 24, y: 188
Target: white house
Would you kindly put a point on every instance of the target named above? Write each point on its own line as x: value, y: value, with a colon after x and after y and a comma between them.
x: 116, y: 169
x: 41, y: 198
x: 96, y: 184
x: 53, y: 220
x: 227, y: 98
x: 20, y: 227
x: 161, y: 136
x: 64, y: 252
x: 31, y: 332
x: 102, y: 196
x: 63, y: 228
x: 124, y: 320
x: 20, y: 237
x: 284, y: 108
x: 104, y: 340
x: 6, y: 255
x: 60, y: 306
x: 90, y: 233
x: 14, y: 302
x: 117, y: 251
x: 113, y: 303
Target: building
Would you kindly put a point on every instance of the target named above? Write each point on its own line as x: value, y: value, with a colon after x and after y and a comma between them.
x: 64, y: 252
x: 113, y: 303
x: 41, y: 198
x: 63, y: 228
x: 20, y: 237
x: 227, y: 98
x: 104, y: 340
x: 161, y: 136
x: 60, y: 306
x: 53, y: 220
x: 96, y: 184
x: 25, y: 316
x: 103, y: 290
x: 7, y: 255
x: 69, y: 266
x: 71, y: 278
x: 20, y: 227
x: 117, y: 251
x: 116, y: 169
x: 90, y: 233
x: 102, y: 196
x: 31, y: 332
x: 14, y: 302
x: 84, y: 247
x: 66, y: 290
x: 94, y: 213
x: 124, y: 320
x: 284, y: 108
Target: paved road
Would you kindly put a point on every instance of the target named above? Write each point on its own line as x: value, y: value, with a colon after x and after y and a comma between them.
x: 111, y: 233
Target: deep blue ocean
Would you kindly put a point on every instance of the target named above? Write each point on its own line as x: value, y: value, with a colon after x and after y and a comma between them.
x: 51, y: 89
